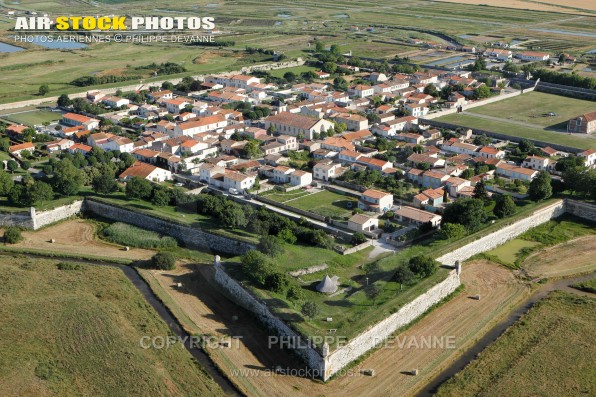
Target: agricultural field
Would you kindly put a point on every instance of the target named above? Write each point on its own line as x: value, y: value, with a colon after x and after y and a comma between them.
x: 79, y: 333
x: 284, y: 26
x: 507, y: 127
x: 533, y: 107
x: 326, y: 203
x: 563, y: 6
x: 548, y: 352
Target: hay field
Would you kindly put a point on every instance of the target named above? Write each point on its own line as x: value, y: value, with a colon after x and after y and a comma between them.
x: 562, y: 6
x: 78, y: 332
x: 548, y: 352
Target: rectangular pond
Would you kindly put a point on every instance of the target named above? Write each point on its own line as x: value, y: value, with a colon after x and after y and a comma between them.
x: 9, y: 48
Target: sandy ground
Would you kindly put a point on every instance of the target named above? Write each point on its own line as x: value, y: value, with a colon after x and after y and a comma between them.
x: 77, y: 237
x: 543, y: 5
x: 573, y: 257
x: 204, y: 310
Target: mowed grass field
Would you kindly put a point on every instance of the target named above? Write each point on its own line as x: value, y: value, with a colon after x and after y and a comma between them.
x: 78, y: 332
x: 508, y: 128
x: 531, y: 107
x: 548, y: 352
x: 33, y: 117
x: 326, y: 203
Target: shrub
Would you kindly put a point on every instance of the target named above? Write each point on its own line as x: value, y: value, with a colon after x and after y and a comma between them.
x: 295, y: 294
x: 163, y: 261
x: 270, y: 245
x: 403, y: 275
x: 359, y: 238
x: 423, y: 265
x: 12, y: 235
x: 310, y: 309
x: 124, y: 234
x: 256, y: 266
x: 277, y: 282
x: 452, y: 231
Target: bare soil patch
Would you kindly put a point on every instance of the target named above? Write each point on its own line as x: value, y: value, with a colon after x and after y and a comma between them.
x: 77, y: 237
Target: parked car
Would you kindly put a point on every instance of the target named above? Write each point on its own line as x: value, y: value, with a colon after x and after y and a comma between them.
x: 233, y: 191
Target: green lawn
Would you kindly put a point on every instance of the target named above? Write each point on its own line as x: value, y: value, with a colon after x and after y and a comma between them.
x: 548, y: 352
x: 282, y: 197
x: 326, y: 203
x: 530, y: 108
x: 508, y: 252
x: 79, y: 333
x: 504, y: 127
x: 296, y: 70
x: 34, y: 117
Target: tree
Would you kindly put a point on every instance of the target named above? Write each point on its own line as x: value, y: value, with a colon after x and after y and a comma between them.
x: 166, y: 85
x: 467, y: 212
x: 574, y: 178
x: 295, y: 294
x: 540, y: 187
x: 12, y: 235
x: 403, y: 275
x: 310, y: 309
x: 340, y: 84
x: 277, y: 282
x: 160, y: 196
x: 423, y: 265
x: 67, y: 179
x: 329, y: 67
x: 287, y: 235
x: 359, y: 238
x: 44, y: 89
x: 40, y: 192
x: 372, y: 292
x: 480, y: 191
x: 6, y: 183
x: 505, y: 206
x: 482, y: 92
x: 319, y: 46
x: 482, y: 140
x: 137, y: 188
x: 430, y: 89
x: 479, y: 64
x: 64, y: 100
x: 12, y: 166
x: 290, y: 77
x: 104, y: 184
x: 525, y: 146
x: 251, y: 150
x: 25, y: 164
x: 163, y: 261
x: 452, y: 231
x: 270, y: 245
x: 256, y: 266
x: 232, y: 216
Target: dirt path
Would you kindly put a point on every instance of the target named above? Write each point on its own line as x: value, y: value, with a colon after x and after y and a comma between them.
x: 77, y: 236
x: 573, y: 257
x: 205, y: 310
